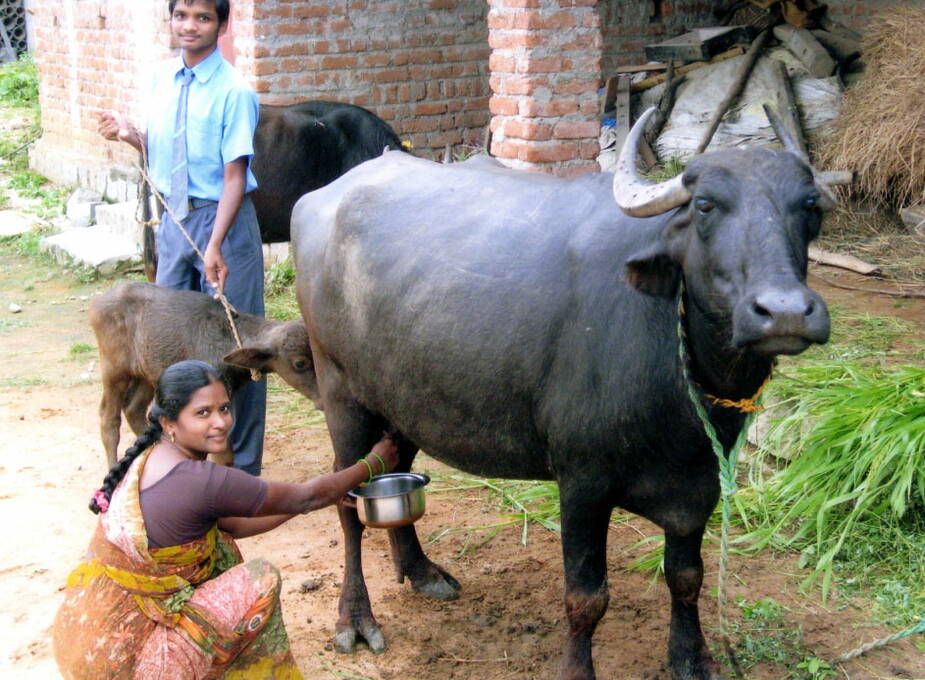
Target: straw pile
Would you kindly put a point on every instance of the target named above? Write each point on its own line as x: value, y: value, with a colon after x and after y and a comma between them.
x: 880, y: 133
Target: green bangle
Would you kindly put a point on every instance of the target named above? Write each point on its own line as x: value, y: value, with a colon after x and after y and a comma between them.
x: 369, y: 468
x: 379, y: 458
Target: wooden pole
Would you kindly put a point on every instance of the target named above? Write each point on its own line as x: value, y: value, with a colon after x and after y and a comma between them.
x: 735, y: 88
x: 649, y: 83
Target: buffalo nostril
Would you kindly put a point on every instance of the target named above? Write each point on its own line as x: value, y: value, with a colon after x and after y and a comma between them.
x: 810, y: 308
x: 760, y: 310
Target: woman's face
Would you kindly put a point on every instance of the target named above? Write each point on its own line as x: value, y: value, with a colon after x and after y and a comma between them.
x: 204, y: 424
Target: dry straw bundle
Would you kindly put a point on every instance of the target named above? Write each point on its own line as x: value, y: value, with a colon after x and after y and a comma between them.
x: 880, y: 133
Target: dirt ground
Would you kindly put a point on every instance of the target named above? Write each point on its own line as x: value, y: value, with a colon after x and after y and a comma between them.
x: 508, y: 621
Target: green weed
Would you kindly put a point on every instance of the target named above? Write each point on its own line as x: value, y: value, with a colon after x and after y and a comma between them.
x: 7, y: 325
x: 764, y: 637
x: 80, y: 350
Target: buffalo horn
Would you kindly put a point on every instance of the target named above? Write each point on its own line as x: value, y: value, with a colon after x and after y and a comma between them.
x: 828, y: 199
x: 636, y: 196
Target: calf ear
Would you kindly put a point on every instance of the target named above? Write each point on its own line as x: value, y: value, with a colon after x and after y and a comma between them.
x: 653, y: 272
x: 252, y: 356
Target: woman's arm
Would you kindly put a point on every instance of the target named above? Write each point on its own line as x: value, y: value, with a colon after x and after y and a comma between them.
x: 284, y: 500
x: 242, y: 527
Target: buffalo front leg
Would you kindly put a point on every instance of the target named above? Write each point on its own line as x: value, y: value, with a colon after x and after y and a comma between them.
x: 353, y: 432
x: 584, y: 546
x: 688, y: 657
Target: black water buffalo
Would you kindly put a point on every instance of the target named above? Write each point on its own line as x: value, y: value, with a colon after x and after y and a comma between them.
x: 518, y: 325
x: 302, y: 147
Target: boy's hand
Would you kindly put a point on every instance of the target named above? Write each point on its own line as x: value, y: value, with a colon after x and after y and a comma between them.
x: 114, y: 127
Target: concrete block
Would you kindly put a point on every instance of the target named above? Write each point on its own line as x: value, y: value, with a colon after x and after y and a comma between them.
x: 13, y: 223
x: 94, y: 247
x: 119, y: 220
x: 81, y: 207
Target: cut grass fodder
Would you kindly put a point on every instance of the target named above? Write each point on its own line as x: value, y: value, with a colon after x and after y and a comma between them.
x: 856, y: 438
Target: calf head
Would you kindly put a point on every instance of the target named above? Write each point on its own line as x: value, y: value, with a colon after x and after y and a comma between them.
x: 282, y: 348
x: 739, y: 238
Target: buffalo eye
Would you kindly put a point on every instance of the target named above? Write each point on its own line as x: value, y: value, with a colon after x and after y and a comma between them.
x: 300, y: 365
x: 811, y: 203
x: 703, y: 205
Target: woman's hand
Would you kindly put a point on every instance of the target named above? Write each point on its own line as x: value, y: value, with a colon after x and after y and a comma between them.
x: 387, y: 450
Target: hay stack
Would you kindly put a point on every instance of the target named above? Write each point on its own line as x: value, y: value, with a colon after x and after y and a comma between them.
x: 880, y: 133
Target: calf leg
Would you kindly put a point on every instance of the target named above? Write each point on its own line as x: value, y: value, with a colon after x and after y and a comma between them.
x: 688, y: 657
x: 584, y: 546
x: 137, y: 399
x: 408, y: 556
x: 114, y: 390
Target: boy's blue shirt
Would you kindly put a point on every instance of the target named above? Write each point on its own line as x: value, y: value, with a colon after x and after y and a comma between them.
x: 222, y: 116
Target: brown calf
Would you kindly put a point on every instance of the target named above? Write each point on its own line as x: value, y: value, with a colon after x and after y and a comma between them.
x: 141, y: 329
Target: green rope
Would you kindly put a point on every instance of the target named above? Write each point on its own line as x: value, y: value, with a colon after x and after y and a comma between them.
x: 882, y: 642
x: 727, y: 462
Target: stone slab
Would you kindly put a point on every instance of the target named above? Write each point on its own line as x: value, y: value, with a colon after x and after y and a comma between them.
x: 13, y: 223
x: 94, y: 247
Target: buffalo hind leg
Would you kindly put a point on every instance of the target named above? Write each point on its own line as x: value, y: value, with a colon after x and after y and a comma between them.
x: 584, y: 547
x: 688, y: 657
x: 426, y: 577
x: 408, y: 557
x: 353, y: 432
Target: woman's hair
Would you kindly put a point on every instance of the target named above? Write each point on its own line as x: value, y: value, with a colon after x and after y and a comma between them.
x: 175, y: 388
x: 222, y: 8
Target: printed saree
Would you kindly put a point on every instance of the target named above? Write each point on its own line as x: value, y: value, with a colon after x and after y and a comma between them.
x: 188, y: 612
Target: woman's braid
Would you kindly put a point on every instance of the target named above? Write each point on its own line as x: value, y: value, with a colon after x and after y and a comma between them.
x: 151, y: 434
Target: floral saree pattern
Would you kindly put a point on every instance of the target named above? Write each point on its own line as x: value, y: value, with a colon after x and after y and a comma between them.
x: 189, y: 612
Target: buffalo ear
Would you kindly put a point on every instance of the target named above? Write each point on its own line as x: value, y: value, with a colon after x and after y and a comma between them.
x: 252, y: 356
x: 653, y: 272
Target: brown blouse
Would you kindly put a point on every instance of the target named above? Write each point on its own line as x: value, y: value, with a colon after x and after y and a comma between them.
x: 184, y: 504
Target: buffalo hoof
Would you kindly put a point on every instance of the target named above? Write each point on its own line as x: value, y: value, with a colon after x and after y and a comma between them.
x: 345, y: 637
x: 436, y: 583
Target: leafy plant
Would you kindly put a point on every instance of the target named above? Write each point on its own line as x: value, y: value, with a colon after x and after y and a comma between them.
x: 19, y: 83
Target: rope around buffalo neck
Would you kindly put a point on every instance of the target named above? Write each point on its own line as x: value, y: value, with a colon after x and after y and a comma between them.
x: 727, y: 462
x: 229, y: 310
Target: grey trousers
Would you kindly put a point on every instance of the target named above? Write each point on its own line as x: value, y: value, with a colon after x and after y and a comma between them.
x: 178, y: 266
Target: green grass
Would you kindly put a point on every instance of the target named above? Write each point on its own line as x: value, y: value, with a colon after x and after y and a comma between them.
x: 279, y: 291
x: 15, y: 383
x: 7, y: 325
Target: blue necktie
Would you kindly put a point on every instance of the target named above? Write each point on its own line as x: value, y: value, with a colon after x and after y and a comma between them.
x: 179, y: 176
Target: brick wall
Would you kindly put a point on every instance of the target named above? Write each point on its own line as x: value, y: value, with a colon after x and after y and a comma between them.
x: 545, y: 65
x: 421, y: 65
x: 92, y: 55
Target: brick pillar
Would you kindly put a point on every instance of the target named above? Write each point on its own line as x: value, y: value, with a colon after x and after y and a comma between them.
x: 545, y: 74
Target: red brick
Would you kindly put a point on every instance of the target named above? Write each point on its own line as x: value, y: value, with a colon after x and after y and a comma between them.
x: 577, y: 130
x: 504, y: 106
x: 527, y: 130
x: 550, y: 152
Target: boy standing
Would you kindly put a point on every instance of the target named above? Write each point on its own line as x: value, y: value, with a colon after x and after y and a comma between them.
x: 199, y: 143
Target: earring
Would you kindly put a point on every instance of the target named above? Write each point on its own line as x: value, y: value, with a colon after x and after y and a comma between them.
x: 173, y: 438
